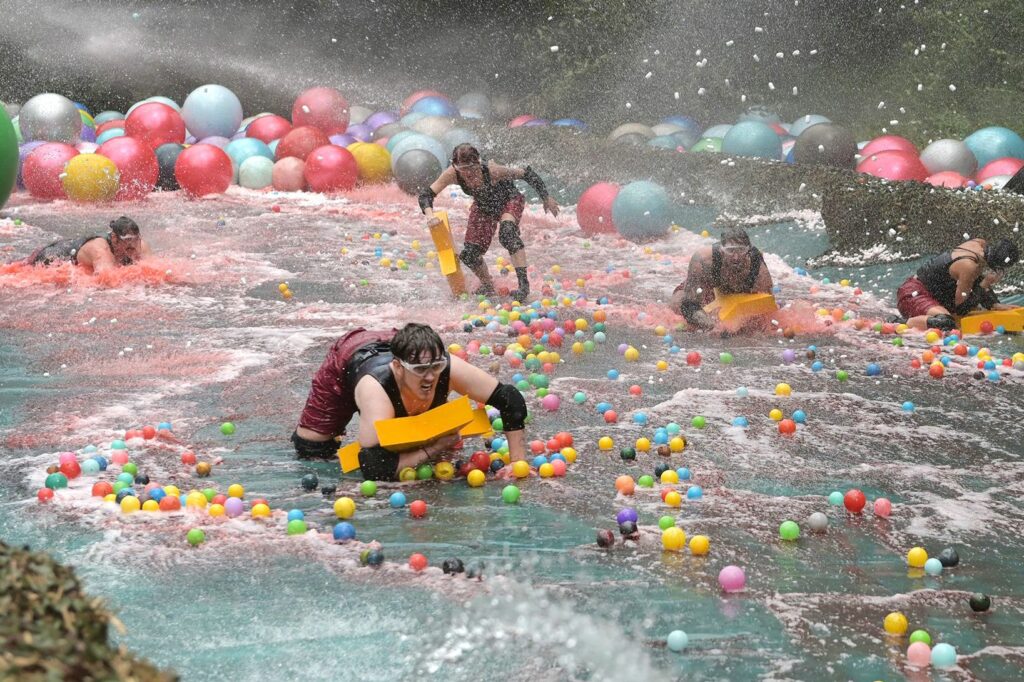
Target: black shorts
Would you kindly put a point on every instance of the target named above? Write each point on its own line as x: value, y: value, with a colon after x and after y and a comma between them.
x: 313, y: 449
x: 378, y: 464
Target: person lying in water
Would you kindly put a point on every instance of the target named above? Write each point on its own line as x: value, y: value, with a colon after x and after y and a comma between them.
x: 383, y: 375
x: 955, y: 283
x: 123, y: 245
x: 733, y: 266
x: 497, y: 206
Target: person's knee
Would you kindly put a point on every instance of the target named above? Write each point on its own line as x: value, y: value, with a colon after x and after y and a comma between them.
x: 508, y: 235
x: 472, y: 255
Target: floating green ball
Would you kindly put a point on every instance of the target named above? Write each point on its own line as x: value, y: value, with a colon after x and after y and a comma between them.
x: 130, y: 468
x: 117, y: 487
x: 523, y: 385
x: 368, y: 488
x: 898, y: 341
x: 498, y: 425
x: 599, y: 326
x: 118, y: 445
x: 541, y: 392
x: 424, y: 472
x: 835, y: 498
x: 842, y: 375
x: 56, y: 481
x: 666, y: 522
x: 196, y: 537
x: 725, y: 358
x: 126, y: 478
x: 627, y: 454
x: 364, y: 283
x: 588, y: 346
x: 209, y: 494
x: 698, y: 422
x: 920, y: 636
x: 227, y: 428
x: 789, y: 530
x: 296, y: 527
x: 510, y: 494
x: 646, y: 481
x: 579, y: 398
x: 485, y: 350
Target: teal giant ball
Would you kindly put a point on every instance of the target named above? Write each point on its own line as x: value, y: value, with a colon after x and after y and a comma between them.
x: 753, y: 138
x: 641, y: 211
x: 989, y: 144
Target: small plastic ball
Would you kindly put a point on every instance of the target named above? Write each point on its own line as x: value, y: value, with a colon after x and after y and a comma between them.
x: 296, y: 527
x: 625, y: 484
x: 854, y: 501
x: 188, y: 458
x: 842, y: 375
x: 943, y: 655
x: 699, y: 545
x: 397, y: 500
x: 643, y: 444
x: 732, y: 578
x: 669, y: 477
x: 895, y: 623
x: 673, y: 499
x: 605, y: 443
x: 418, y: 509
x: 310, y: 482
x: 883, y: 507
x: 627, y: 454
x: 407, y: 474
x: 817, y: 521
x: 783, y: 389
x: 344, y: 531
x: 477, y: 478
x: 775, y: 415
x: 920, y: 636
x: 645, y: 481
x: 196, y: 537
x: 919, y: 654
x: 666, y: 522
x: 980, y: 602
x: 917, y: 557
x: 694, y: 492
x: 835, y: 498
x: 677, y: 444
x: 236, y: 490
x: 605, y: 538
x: 510, y: 494
x: 520, y: 469
x: 368, y: 488
x: 417, y: 562
x: 453, y: 566
x: 673, y: 539
x: 344, y: 507
x: 698, y: 422
x: 933, y: 566
x: 227, y: 428
x: 789, y: 530
x: 203, y: 469
x: 725, y: 358
x: 787, y: 427
x: 949, y: 557
x: 677, y: 640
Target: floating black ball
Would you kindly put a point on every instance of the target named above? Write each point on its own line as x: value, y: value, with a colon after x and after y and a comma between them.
x: 328, y: 490
x: 949, y: 558
x: 627, y: 528
x: 453, y: 566
x: 627, y: 454
x: 141, y: 479
x: 605, y: 538
x: 980, y: 602
x: 310, y: 482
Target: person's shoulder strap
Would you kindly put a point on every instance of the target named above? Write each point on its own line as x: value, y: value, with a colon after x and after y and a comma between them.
x: 755, y: 267
x: 716, y: 263
x: 485, y: 167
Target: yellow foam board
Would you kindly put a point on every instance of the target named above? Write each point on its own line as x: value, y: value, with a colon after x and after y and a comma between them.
x: 734, y: 306
x: 1012, y: 320
x: 348, y: 456
x: 449, y: 262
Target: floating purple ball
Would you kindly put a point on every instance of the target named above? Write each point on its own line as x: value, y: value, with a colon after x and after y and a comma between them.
x: 216, y: 141
x: 623, y: 347
x: 233, y: 507
x: 381, y: 118
x: 88, y: 134
x: 342, y: 139
x: 360, y: 131
x: 627, y: 514
x: 788, y: 356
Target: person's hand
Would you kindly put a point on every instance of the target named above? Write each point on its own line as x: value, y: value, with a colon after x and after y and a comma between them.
x: 701, y: 321
x: 551, y: 206
x: 505, y: 472
x: 445, y: 443
x: 433, y: 221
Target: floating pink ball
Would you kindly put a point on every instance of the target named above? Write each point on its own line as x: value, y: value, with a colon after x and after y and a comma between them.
x: 732, y: 578
x: 883, y: 507
x: 41, y: 172
x: 288, y: 175
x: 886, y: 143
x: 919, y: 654
x: 331, y: 168
x: 323, y: 108
x: 416, y: 97
x: 522, y: 120
x: 66, y: 457
x: 558, y: 467
x: 550, y: 402
x: 949, y: 179
x: 894, y: 164
x: 1006, y: 165
x: 594, y: 208
x: 119, y: 457
x: 268, y: 128
x: 233, y: 507
x: 137, y: 166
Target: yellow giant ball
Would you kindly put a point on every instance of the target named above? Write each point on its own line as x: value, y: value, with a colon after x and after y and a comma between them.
x: 90, y: 177
x: 673, y: 538
x: 344, y: 507
x: 373, y: 162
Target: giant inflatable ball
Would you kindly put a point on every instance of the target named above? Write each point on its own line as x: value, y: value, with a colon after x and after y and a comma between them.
x: 300, y: 142
x: 754, y: 139
x: 594, y: 209
x: 203, y: 169
x: 137, y: 165
x: 212, y: 111
x: 323, y: 108
x: 331, y: 169
x: 155, y: 123
x: 43, y: 168
x: 632, y: 129
x: 641, y: 211
x: 885, y: 143
x: 50, y: 117
x: 415, y: 170
x: 90, y: 177
x: 805, y: 122
x: 268, y: 128
x: 949, y: 155
x: 432, y: 105
x: 894, y: 164
x: 418, y: 141
x: 166, y: 157
x: 474, y: 105
x: 826, y: 144
x: 989, y: 144
x: 8, y: 158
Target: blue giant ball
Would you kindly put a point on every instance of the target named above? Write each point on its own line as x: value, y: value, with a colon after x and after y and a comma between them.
x: 753, y: 138
x: 641, y: 210
x: 995, y: 142
x: 418, y: 141
x: 212, y: 111
x: 435, y: 106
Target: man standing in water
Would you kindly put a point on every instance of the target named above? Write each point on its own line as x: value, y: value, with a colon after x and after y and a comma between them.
x: 955, y: 283
x: 383, y: 375
x: 733, y: 266
x: 497, y: 205
x: 123, y: 245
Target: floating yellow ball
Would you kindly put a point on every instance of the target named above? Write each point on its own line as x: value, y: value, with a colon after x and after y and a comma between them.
x: 932, y: 337
x: 444, y: 471
x: 917, y: 557
x: 476, y: 478
x: 643, y: 444
x: 606, y: 443
x: 520, y: 469
x: 216, y: 510
x: 151, y: 506
x: 546, y: 470
x: 632, y: 354
x: 699, y: 545
x: 130, y: 504
x: 172, y: 490
x: 90, y: 177
x: 577, y: 348
x: 196, y: 500
x: 262, y: 511
x: 673, y: 539
x: 569, y: 454
x: 662, y: 365
x: 896, y: 623
x: 344, y: 507
x: 407, y: 474
x: 783, y: 389
x: 673, y: 499
x: 236, y: 490
x: 669, y: 476
x: 776, y: 415
x: 110, y: 498
x: 659, y: 331
x: 677, y: 444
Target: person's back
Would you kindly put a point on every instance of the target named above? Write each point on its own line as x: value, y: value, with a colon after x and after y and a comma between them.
x: 123, y: 245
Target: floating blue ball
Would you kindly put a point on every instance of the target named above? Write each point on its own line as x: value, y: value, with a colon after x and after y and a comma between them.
x: 497, y: 443
x: 157, y: 494
x: 799, y: 416
x: 943, y: 655
x: 933, y: 566
x: 296, y: 515
x: 344, y: 531
x: 538, y: 460
x: 993, y: 375
x: 164, y: 426
x: 497, y: 465
x: 613, y: 374
x: 972, y: 350
x: 694, y: 492
x: 397, y: 500
x: 683, y: 473
x: 90, y: 466
x: 908, y: 406
x: 816, y: 366
x: 741, y: 422
x: 640, y: 418
x: 559, y: 455
x: 599, y: 337
x: 674, y: 349
x: 873, y: 369
x: 990, y: 364
x: 123, y: 493
x: 603, y: 407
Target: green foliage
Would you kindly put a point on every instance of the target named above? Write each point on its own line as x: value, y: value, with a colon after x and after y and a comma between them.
x: 52, y: 630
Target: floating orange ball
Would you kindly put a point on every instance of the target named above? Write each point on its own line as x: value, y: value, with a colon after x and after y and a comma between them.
x: 787, y: 427
x: 417, y: 562
x: 418, y: 509
x: 625, y: 484
x: 937, y: 370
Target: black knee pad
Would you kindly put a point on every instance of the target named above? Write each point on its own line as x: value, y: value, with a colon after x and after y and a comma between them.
x: 941, y: 322
x: 472, y: 255
x: 508, y: 235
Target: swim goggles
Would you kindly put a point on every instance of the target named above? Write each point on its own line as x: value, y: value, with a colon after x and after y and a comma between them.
x: 736, y: 249
x: 426, y: 368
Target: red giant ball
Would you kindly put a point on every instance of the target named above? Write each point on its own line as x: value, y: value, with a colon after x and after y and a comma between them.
x: 594, y: 208
x: 300, y: 142
x: 43, y: 167
x: 155, y: 123
x: 323, y: 108
x: 268, y: 128
x: 331, y: 168
x: 1007, y: 165
x: 894, y: 164
x: 886, y: 143
x: 136, y: 162
x: 203, y: 169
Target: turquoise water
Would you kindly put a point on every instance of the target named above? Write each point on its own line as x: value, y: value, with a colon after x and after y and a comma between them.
x: 214, y: 341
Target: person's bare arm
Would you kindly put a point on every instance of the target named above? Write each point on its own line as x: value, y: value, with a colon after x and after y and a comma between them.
x: 426, y: 198
x: 145, y: 251
x: 479, y: 385
x: 688, y: 298
x: 95, y: 254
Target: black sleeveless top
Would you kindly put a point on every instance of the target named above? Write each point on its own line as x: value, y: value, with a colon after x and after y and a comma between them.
x: 490, y: 197
x: 67, y: 250
x: 756, y: 259
x: 375, y: 359
x: 936, y: 279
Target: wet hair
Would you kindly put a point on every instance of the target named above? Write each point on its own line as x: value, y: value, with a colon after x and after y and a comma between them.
x: 1002, y: 254
x: 413, y: 340
x: 124, y: 226
x: 735, y: 235
x: 465, y: 153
